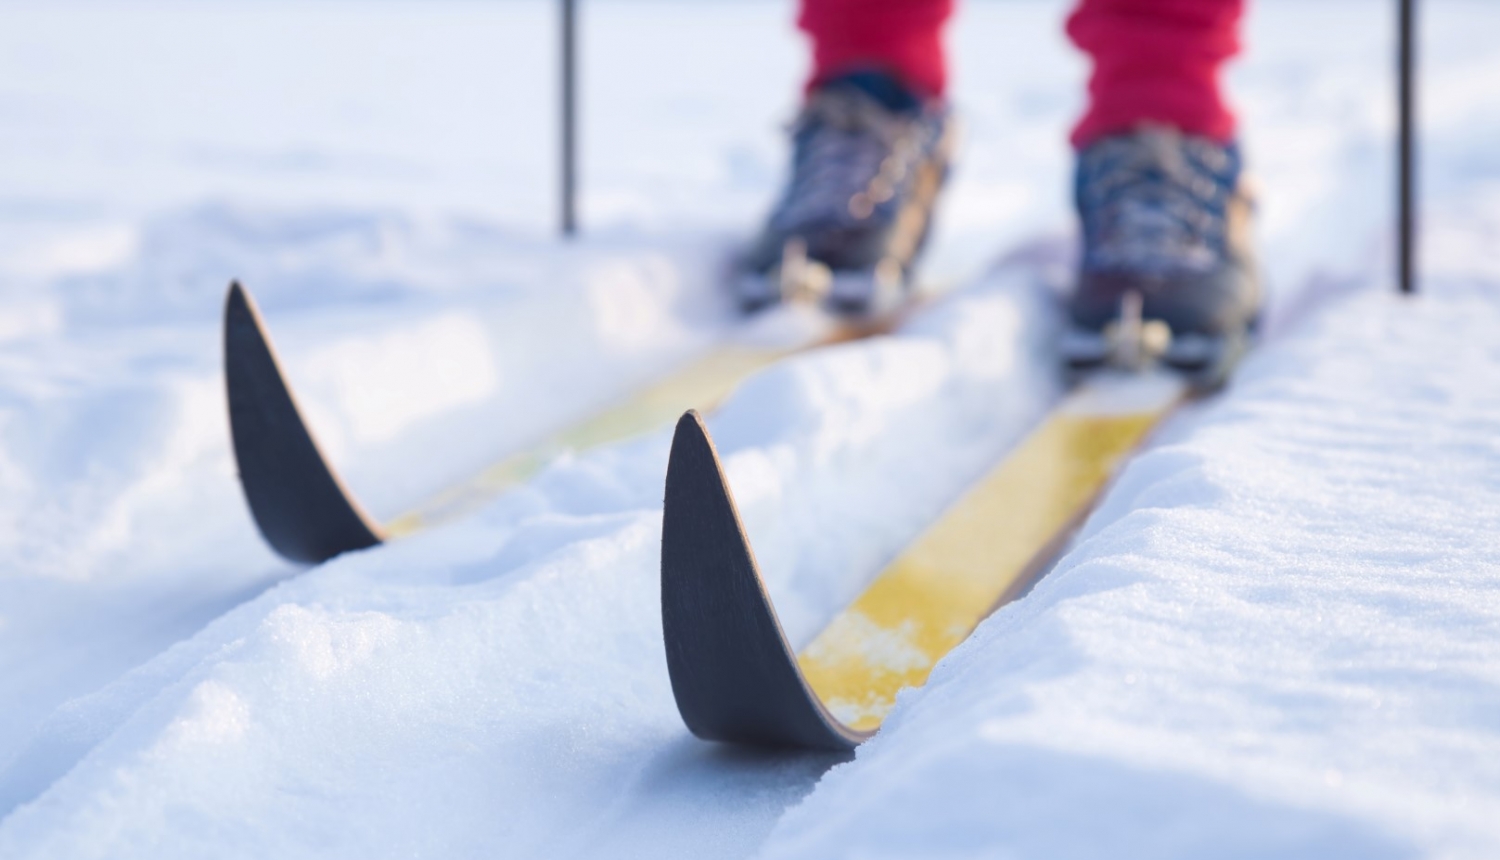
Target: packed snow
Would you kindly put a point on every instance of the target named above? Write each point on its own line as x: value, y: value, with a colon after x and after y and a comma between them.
x: 1278, y: 635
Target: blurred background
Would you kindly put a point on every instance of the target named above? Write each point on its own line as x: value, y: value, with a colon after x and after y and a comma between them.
x: 116, y: 112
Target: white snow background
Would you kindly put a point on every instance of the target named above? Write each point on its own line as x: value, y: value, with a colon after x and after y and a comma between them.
x: 1278, y: 636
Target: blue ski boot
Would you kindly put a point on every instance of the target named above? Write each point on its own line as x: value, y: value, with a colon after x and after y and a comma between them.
x: 1166, y: 254
x: 868, y: 160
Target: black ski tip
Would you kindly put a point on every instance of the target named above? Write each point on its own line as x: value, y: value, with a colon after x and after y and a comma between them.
x: 298, y: 502
x: 733, y: 674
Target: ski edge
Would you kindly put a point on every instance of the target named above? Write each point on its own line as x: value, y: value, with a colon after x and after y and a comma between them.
x: 734, y: 676
x: 299, y: 503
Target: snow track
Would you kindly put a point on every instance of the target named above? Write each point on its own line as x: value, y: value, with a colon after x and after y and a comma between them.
x: 1277, y: 636
x: 1280, y: 633
x: 361, y: 683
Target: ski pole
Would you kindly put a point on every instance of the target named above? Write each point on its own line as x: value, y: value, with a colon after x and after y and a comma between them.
x: 1406, y: 144
x: 569, y: 154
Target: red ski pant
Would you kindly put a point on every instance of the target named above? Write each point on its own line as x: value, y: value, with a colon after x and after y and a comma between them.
x: 1154, y: 60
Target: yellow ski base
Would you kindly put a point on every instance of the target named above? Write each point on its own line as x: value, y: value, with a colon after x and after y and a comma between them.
x: 983, y: 551
x: 701, y: 385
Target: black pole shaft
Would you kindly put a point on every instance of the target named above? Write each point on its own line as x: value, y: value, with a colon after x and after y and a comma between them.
x: 1406, y: 149
x: 569, y: 154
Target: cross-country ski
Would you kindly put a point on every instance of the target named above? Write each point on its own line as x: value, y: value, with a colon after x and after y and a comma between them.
x: 733, y: 674
x: 306, y: 512
x: 750, y: 429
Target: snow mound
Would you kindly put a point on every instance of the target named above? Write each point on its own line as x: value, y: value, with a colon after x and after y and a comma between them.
x: 1278, y: 636
x: 522, y: 647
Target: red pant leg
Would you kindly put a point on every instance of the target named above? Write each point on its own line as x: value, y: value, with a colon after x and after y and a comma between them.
x: 903, y: 37
x: 1156, y: 60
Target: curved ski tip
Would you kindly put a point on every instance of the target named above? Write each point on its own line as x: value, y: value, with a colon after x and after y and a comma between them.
x: 297, y: 500
x: 242, y: 320
x: 691, y: 441
x: 733, y: 674
x: 691, y: 421
x: 237, y: 302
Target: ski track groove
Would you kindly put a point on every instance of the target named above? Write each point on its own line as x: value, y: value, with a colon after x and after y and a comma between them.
x: 497, y: 685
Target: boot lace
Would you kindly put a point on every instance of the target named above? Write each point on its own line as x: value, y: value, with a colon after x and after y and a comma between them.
x: 852, y: 157
x: 1155, y: 202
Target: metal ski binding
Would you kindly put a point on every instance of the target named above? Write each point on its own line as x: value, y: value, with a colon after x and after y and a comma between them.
x: 1133, y: 343
x: 878, y: 291
x: 799, y: 278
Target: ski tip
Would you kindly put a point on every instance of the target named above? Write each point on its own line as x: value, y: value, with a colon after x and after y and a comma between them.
x: 298, y: 503
x: 245, y: 334
x: 239, y: 305
x: 692, y: 448
x: 240, y: 313
x: 733, y: 674
x: 691, y: 421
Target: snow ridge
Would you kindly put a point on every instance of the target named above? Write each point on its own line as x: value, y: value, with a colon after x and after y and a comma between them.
x: 1278, y: 635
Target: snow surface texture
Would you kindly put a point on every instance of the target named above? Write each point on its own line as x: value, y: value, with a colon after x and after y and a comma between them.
x: 1277, y: 636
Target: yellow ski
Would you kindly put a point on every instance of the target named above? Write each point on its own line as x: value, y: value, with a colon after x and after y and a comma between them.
x: 704, y: 383
x: 733, y: 673
x: 306, y: 512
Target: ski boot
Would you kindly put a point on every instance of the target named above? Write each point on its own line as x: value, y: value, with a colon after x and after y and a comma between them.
x: 868, y: 160
x: 1167, y: 273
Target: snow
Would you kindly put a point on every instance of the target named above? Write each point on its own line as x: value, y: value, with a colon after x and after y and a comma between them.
x: 1277, y: 635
